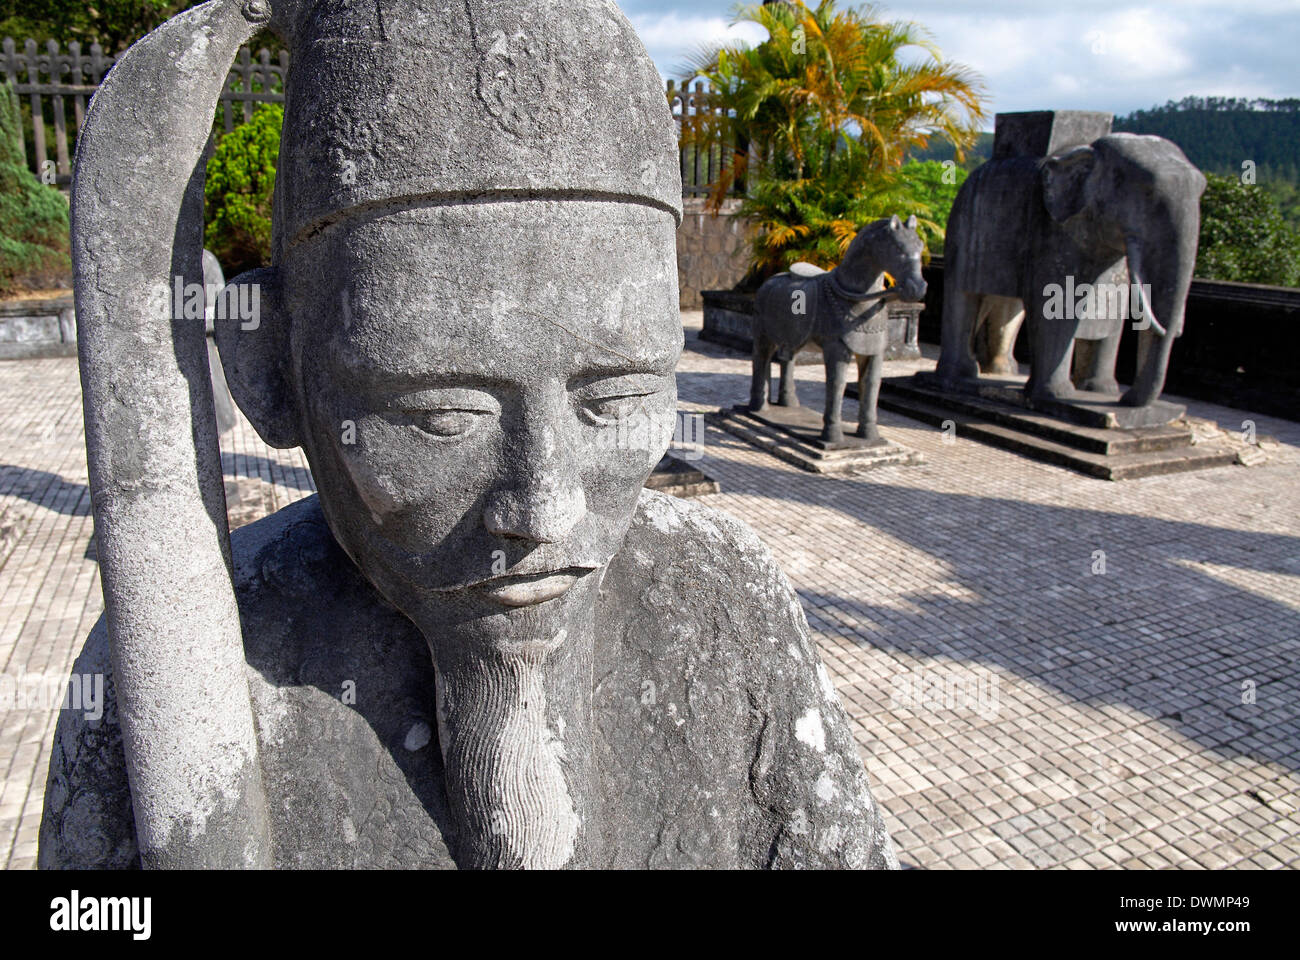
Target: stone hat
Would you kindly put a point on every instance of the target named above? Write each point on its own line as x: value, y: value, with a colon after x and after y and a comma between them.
x: 401, y: 102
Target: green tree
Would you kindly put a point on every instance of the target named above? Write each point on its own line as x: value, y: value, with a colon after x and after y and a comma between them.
x: 825, y: 111
x: 34, y: 241
x: 1243, y: 236
x: 934, y: 187
x: 114, y: 23
x: 238, y: 191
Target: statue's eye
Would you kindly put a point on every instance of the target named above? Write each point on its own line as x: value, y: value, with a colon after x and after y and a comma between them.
x: 613, y: 409
x: 446, y: 423
x: 445, y: 413
x: 614, y: 399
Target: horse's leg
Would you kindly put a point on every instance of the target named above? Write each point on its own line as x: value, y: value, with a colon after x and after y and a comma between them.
x: 758, y: 391
x: 837, y: 374
x: 869, y: 369
x: 789, y: 397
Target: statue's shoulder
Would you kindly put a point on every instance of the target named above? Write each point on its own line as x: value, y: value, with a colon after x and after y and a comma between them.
x: 289, y: 550
x: 708, y: 554
x: 690, y: 572
x: 284, y: 564
x: 714, y: 659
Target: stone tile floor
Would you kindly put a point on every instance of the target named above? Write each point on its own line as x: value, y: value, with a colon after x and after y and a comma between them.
x: 1043, y: 670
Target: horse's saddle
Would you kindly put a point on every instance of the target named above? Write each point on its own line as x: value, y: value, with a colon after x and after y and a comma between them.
x: 803, y: 270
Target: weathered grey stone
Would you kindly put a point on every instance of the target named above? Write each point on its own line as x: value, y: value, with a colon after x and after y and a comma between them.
x: 843, y: 311
x: 151, y: 443
x: 483, y: 645
x: 718, y: 739
x: 1064, y: 210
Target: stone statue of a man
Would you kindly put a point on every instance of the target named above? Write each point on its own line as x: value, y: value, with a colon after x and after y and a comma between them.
x: 482, y: 644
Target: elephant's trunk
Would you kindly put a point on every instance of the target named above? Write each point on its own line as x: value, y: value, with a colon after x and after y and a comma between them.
x: 1162, y: 289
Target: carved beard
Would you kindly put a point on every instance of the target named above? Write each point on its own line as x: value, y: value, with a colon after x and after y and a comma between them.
x: 514, y: 723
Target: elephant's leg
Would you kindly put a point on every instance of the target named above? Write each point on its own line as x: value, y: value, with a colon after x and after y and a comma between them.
x: 1053, y: 343
x: 869, y: 370
x: 758, y: 391
x: 961, y: 312
x: 1152, y: 365
x: 1099, y: 371
x: 788, y: 396
x: 837, y: 375
x: 1004, y: 318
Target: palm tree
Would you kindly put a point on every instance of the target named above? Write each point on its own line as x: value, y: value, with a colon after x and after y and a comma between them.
x: 825, y: 111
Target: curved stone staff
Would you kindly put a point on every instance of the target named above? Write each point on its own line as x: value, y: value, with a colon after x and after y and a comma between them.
x: 151, y: 442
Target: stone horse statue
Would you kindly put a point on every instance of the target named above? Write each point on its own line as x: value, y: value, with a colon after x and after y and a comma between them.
x: 844, y: 312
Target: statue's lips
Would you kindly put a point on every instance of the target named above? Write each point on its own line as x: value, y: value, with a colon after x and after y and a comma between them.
x: 530, y: 589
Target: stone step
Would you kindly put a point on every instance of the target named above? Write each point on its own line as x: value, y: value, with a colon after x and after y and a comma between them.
x: 1115, y: 466
x: 678, y: 478
x: 788, y: 445
x: 1106, y: 442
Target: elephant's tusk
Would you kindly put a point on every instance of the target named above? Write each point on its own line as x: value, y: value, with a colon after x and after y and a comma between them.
x: 1135, y: 279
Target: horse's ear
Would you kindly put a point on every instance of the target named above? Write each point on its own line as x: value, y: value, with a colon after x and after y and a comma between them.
x: 911, y: 222
x: 894, y: 222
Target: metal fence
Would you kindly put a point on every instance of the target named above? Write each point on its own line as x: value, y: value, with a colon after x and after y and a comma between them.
x: 55, y: 87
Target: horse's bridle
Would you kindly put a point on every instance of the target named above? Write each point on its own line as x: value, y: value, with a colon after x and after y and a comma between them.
x: 889, y: 293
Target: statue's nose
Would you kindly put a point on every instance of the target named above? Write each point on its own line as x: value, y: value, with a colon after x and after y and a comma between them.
x: 543, y: 499
x: 543, y: 509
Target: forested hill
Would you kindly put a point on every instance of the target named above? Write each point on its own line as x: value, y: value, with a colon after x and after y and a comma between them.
x: 1216, y: 133
x: 1221, y: 133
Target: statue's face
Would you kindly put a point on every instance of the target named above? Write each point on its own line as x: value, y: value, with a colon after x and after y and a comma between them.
x: 484, y: 389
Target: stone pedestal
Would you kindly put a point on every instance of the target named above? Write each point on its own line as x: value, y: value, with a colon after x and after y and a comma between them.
x: 1091, y: 434
x: 1086, y: 408
x: 681, y: 479
x: 793, y: 434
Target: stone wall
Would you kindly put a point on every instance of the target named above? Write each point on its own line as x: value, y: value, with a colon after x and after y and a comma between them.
x: 38, y: 327
x: 712, y: 252
x: 1238, y: 348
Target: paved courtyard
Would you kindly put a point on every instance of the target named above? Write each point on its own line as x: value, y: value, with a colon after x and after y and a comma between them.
x: 1043, y: 670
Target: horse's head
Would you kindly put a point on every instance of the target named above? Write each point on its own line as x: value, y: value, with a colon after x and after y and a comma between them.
x: 891, y: 246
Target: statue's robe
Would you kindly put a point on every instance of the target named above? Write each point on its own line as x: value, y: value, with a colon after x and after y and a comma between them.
x: 719, y: 738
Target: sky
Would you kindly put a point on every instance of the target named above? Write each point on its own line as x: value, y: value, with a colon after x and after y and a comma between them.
x: 1110, y: 55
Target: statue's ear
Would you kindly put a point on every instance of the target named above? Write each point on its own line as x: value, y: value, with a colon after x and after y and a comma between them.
x: 1064, y: 179
x: 894, y: 222
x: 252, y: 334
x: 911, y: 222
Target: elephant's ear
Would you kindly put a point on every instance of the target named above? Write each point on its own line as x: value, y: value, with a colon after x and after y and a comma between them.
x: 1064, y: 179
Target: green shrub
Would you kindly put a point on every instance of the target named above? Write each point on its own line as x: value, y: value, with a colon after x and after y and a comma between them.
x: 1244, y: 237
x: 34, y: 241
x: 237, y: 194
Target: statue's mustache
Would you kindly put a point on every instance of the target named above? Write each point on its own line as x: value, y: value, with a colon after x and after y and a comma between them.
x: 524, y: 571
x: 542, y: 561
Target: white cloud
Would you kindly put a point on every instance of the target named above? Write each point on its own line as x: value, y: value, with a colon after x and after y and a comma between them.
x: 1037, y: 55
x: 670, y: 37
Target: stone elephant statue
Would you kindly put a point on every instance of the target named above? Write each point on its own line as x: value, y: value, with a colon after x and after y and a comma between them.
x: 1076, y: 242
